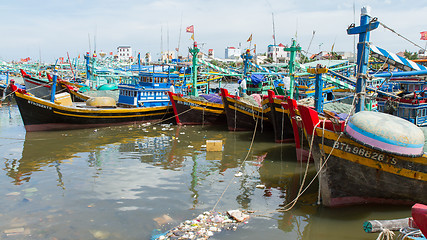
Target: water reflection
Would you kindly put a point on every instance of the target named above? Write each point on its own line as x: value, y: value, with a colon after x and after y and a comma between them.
x: 52, y: 149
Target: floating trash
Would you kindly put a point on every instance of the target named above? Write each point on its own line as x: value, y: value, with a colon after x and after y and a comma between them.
x: 239, y: 174
x: 205, y: 225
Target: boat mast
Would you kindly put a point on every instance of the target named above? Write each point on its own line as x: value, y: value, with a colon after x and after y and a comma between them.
x: 362, y: 53
x: 293, y: 49
x: 194, y: 51
x: 53, y: 88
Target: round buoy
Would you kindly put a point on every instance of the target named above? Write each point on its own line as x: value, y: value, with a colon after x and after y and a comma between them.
x: 387, y: 133
x: 101, y: 102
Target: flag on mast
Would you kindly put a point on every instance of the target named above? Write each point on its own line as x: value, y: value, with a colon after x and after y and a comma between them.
x: 250, y: 38
x: 192, y: 36
x: 190, y: 29
x: 423, y: 35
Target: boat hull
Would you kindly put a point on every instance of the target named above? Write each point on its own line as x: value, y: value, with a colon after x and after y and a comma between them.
x: 357, y: 174
x: 279, y: 117
x: 41, y: 115
x: 192, y: 112
x: 242, y: 116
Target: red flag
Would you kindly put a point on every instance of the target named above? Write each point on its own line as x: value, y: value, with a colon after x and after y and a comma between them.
x: 190, y: 29
x: 423, y: 35
x: 111, y: 53
x: 250, y: 38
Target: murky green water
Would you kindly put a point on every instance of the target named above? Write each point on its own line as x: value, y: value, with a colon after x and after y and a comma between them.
x: 112, y: 183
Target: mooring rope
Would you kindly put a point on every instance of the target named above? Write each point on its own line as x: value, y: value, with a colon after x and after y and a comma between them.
x: 400, y: 35
x: 240, y: 166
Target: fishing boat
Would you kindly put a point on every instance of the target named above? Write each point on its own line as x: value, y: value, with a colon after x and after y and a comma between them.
x: 244, y: 113
x: 195, y: 108
x: 42, y: 87
x: 378, y: 158
x: 39, y: 87
x: 411, y: 100
x: 371, y: 158
x: 141, y: 99
x: 279, y: 117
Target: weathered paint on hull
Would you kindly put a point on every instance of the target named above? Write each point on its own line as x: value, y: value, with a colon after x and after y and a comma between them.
x: 356, y: 174
x: 192, y: 112
x: 242, y: 116
x: 279, y: 117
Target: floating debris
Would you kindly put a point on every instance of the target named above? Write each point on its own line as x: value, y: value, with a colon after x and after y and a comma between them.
x: 239, y: 174
x: 162, y: 220
x: 100, y: 234
x: 260, y: 186
x: 13, y: 194
x: 205, y: 225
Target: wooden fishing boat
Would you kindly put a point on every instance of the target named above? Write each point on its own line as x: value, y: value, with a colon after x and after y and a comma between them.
x: 42, y: 88
x: 242, y: 115
x: 208, y: 109
x: 412, y: 102
x: 38, y: 87
x: 372, y: 158
x: 278, y: 115
x: 196, y: 108
x: 141, y: 99
x: 378, y: 158
x: 419, y: 214
x: 300, y: 136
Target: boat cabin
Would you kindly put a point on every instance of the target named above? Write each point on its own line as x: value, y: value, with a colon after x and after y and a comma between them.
x: 148, y: 89
x: 412, y: 104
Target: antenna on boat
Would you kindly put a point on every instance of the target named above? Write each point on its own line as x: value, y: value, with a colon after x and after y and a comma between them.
x: 167, y: 42
x: 179, y: 39
x: 354, y: 36
x: 88, y: 36
x: 94, y: 41
x: 274, y: 40
x: 161, y: 43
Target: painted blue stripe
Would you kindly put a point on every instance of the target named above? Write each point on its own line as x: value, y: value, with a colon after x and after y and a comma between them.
x: 382, y: 139
x: 405, y: 61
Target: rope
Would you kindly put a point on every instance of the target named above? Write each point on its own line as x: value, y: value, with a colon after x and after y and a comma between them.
x: 25, y: 90
x: 300, y: 191
x: 386, y: 234
x: 392, y: 30
x: 169, y: 118
x: 240, y: 167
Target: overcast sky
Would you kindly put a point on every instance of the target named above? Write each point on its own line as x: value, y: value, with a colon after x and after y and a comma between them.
x: 51, y: 28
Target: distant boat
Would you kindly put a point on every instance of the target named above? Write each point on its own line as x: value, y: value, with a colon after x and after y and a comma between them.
x: 141, y: 99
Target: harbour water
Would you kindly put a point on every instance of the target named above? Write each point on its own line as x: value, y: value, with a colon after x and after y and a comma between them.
x: 120, y: 182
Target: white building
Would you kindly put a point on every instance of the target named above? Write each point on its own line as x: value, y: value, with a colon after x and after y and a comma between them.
x: 211, y: 53
x: 167, y: 56
x: 124, y: 53
x: 232, y: 53
x: 278, y: 53
x: 347, y: 56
